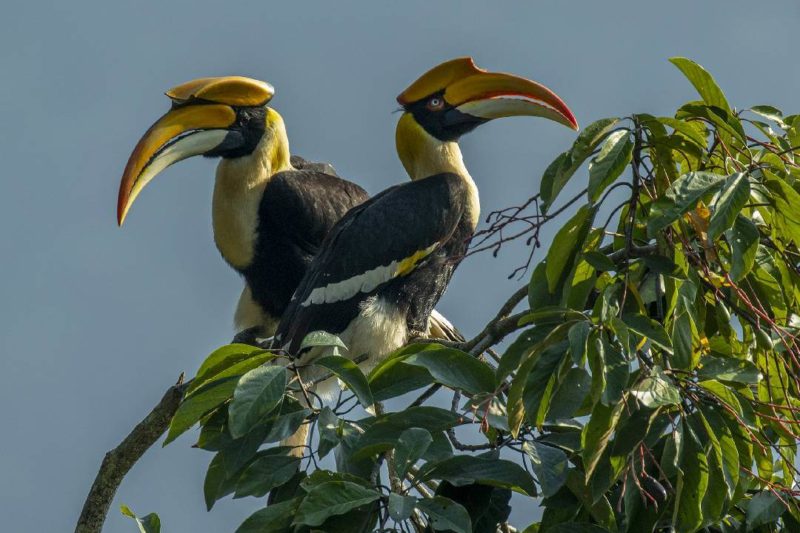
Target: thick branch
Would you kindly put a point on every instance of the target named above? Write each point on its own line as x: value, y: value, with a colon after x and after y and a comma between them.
x: 118, y: 462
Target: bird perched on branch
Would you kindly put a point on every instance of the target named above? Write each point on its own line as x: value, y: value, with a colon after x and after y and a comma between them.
x: 270, y: 210
x: 384, y: 266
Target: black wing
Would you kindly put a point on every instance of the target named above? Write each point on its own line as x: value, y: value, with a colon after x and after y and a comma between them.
x: 297, y: 211
x: 382, y: 240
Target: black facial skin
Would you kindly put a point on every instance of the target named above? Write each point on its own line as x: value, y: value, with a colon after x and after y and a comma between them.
x: 447, y: 123
x: 243, y: 135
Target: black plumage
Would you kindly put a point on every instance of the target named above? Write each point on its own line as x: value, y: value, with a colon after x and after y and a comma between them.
x: 393, y: 226
x: 297, y: 210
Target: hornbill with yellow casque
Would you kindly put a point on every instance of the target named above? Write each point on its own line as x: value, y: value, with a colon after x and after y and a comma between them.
x: 385, y: 265
x: 270, y: 210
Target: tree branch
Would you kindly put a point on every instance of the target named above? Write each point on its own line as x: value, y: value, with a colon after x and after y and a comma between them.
x: 118, y: 462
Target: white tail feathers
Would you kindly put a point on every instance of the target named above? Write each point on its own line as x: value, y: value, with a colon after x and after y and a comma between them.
x: 441, y: 328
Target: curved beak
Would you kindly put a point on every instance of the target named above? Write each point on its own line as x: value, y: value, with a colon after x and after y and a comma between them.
x: 489, y: 95
x: 182, y: 132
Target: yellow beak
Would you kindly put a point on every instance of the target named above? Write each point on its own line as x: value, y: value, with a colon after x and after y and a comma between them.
x: 182, y: 132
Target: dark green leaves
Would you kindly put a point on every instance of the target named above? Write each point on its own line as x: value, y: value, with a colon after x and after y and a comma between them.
x: 351, y: 375
x: 607, y: 166
x: 198, y: 404
x: 733, y: 196
x: 692, y: 483
x: 411, y: 446
x: 743, y: 239
x: 466, y: 469
x: 446, y: 515
x: 729, y: 369
x: 257, y: 393
x: 277, y: 518
x: 330, y: 499
x: 455, y: 369
x: 567, y: 244
x: 266, y: 473
x: 764, y: 508
x: 563, y: 168
x: 549, y: 464
x: 682, y: 196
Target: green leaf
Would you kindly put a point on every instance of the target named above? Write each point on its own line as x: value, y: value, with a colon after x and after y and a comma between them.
x: 323, y: 339
x: 465, y: 469
x: 771, y: 113
x: 600, y: 261
x: 266, y: 473
x: 764, y: 508
x: 570, y: 395
x: 257, y: 393
x: 224, y: 358
x: 609, y: 163
x: 276, y: 518
x: 681, y: 196
x: 743, y: 239
x: 729, y: 369
x: 401, y: 507
x: 732, y: 198
x: 456, y: 369
x: 549, y: 464
x: 597, y: 433
x: 656, y: 390
x: 392, y: 377
x: 692, y: 484
x: 617, y: 371
x: 541, y: 380
x: 727, y: 445
x: 563, y: 168
x: 330, y: 499
x: 516, y: 404
x: 570, y: 237
x: 411, y: 446
x: 347, y: 371
x: 703, y: 82
x: 445, y: 514
x: 150, y: 523
x: 194, y: 407
x: 384, y: 433
x: 650, y: 329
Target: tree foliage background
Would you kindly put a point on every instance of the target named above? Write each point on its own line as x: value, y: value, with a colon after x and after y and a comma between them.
x: 650, y: 382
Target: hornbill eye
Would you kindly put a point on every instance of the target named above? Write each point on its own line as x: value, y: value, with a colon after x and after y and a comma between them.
x: 435, y: 104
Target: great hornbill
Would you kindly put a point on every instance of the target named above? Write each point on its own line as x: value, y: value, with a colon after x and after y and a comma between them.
x: 385, y: 265
x: 270, y: 210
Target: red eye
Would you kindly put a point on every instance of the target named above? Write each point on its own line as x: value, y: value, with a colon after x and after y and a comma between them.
x: 435, y: 103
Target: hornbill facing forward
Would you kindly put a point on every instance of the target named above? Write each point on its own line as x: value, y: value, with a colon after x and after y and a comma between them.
x: 270, y: 210
x: 385, y: 265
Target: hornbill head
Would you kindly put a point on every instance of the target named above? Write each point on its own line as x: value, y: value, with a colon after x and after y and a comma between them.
x: 213, y: 117
x: 455, y: 97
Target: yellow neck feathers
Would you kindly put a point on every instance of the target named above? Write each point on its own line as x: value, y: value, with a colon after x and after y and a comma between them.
x: 238, y: 189
x: 423, y: 156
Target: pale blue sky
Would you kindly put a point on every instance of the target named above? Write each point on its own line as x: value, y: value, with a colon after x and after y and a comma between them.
x: 96, y: 322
